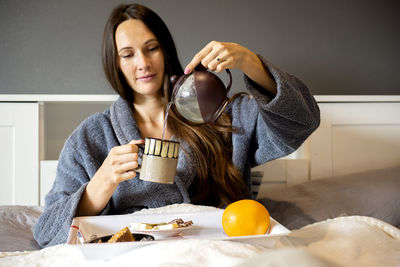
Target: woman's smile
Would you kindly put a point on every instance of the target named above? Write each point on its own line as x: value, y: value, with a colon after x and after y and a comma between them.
x: 146, y: 78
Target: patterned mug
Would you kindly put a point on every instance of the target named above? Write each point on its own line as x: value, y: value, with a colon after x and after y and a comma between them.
x: 160, y: 158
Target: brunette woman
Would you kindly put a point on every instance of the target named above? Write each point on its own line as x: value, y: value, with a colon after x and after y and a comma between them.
x: 96, y: 170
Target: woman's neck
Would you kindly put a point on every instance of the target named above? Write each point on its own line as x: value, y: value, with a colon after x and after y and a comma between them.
x: 149, y: 114
x: 148, y: 108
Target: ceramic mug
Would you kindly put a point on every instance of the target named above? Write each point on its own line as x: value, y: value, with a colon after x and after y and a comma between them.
x: 159, y: 162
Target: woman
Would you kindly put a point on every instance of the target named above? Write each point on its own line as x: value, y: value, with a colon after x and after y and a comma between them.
x: 96, y: 171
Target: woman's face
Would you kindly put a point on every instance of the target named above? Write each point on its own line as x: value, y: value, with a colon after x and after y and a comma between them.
x: 140, y: 57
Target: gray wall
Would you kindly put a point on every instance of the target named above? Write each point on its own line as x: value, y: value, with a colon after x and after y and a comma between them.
x: 336, y: 47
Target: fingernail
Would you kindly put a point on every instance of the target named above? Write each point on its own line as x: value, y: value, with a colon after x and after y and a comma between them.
x: 187, y: 71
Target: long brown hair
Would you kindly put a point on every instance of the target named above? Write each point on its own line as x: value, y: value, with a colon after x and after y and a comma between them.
x: 218, y: 182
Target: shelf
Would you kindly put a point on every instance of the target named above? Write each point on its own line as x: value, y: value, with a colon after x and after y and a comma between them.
x: 113, y: 97
x: 56, y: 98
x: 356, y: 98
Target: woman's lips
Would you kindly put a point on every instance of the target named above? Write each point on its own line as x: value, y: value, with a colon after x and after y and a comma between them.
x: 146, y: 78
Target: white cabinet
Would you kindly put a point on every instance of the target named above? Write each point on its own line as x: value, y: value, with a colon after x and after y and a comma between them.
x: 33, y: 129
x: 19, y: 154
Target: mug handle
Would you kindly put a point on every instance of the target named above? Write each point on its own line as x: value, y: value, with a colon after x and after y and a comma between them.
x: 139, y: 167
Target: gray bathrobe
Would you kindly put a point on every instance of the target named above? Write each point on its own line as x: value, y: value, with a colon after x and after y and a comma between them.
x: 268, y: 128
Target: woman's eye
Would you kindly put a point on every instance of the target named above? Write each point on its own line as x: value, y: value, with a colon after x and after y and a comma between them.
x: 128, y: 55
x: 153, y: 48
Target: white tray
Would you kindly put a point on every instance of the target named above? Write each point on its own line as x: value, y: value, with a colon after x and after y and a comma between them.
x: 206, y: 225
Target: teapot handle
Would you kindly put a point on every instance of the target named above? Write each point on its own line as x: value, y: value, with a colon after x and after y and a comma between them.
x: 230, y: 80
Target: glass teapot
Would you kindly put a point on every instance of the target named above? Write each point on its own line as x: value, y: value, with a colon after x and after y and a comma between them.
x: 200, y: 97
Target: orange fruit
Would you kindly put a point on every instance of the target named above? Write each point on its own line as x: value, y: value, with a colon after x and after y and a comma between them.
x: 245, y: 217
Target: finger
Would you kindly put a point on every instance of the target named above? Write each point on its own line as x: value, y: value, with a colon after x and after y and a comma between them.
x: 222, y: 66
x: 117, y: 160
x: 128, y: 170
x: 131, y: 147
x: 220, y: 59
x: 120, y: 150
x: 198, y: 58
x: 128, y: 166
x: 136, y: 142
x: 193, y: 63
x: 129, y: 157
x: 211, y: 60
x: 126, y: 176
x: 125, y: 149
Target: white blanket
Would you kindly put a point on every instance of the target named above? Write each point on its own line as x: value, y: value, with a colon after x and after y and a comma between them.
x: 343, y: 241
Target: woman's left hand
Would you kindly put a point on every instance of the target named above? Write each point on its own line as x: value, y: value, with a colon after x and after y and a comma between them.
x: 217, y: 56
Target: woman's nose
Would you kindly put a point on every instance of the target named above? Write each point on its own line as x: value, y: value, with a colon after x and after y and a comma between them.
x: 142, y: 61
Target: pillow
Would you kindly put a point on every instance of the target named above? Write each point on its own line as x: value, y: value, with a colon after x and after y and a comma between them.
x: 373, y: 193
x: 16, y: 224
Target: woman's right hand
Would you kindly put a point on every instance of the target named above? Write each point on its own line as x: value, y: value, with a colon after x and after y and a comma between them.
x: 119, y: 166
x: 120, y: 163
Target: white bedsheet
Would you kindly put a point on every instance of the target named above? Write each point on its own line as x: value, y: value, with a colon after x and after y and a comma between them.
x: 343, y: 241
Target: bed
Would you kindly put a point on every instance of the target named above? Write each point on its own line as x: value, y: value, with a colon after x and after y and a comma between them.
x: 338, y: 196
x: 349, y: 220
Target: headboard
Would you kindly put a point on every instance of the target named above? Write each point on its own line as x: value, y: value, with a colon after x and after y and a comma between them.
x: 357, y: 133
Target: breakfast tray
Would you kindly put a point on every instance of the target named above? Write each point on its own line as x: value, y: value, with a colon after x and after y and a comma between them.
x: 206, y: 225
